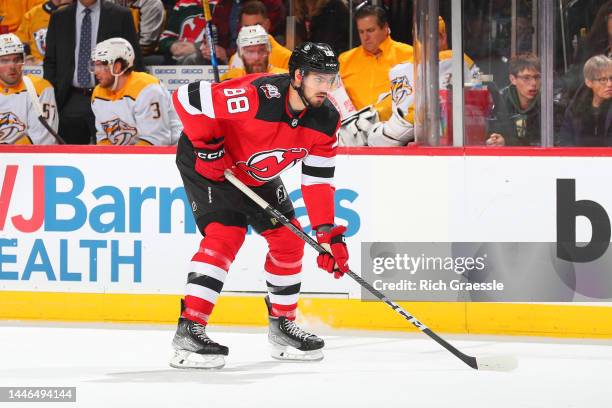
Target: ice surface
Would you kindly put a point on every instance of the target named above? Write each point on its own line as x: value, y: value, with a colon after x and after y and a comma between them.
x: 127, y: 366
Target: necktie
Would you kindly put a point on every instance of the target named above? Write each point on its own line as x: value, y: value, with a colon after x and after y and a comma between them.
x: 83, y: 75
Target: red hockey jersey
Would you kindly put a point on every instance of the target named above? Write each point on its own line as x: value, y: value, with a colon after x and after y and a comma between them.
x: 252, y: 116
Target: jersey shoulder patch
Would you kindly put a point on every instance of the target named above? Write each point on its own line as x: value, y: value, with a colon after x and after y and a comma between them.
x: 272, y: 92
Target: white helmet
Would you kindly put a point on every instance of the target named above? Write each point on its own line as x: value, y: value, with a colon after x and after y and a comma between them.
x: 111, y: 50
x: 10, y: 44
x: 252, y: 35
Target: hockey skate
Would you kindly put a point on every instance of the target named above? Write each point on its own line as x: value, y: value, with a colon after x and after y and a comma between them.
x: 290, y: 342
x: 194, y: 349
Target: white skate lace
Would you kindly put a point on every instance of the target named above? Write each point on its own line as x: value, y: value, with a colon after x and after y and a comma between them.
x: 294, y: 330
x: 200, y: 331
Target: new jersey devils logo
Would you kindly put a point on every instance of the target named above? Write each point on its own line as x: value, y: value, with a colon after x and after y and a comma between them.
x: 193, y: 28
x: 264, y: 166
x: 271, y: 91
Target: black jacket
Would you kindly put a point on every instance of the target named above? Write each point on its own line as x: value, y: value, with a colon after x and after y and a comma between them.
x: 519, y: 127
x: 59, y: 63
x: 585, y: 126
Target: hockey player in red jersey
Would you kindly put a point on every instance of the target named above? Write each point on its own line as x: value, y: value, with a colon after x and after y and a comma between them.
x: 259, y: 126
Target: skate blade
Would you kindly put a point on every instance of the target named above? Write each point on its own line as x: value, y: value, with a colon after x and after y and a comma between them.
x: 288, y: 353
x: 187, y: 360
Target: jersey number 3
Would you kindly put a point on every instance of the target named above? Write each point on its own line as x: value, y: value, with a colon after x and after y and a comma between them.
x: 236, y: 104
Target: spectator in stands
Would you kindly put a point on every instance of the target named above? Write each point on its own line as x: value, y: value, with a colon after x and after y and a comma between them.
x: 599, y: 38
x: 186, y: 27
x: 73, y: 33
x: 516, y: 120
x: 131, y: 108
x: 202, y: 57
x: 364, y: 70
x: 149, y: 18
x: 588, y: 118
x: 33, y: 29
x: 185, y: 33
x: 12, y: 11
x: 252, y: 13
x: 227, y: 19
x: 19, y: 122
x: 254, y: 51
x: 325, y: 21
x: 598, y: 41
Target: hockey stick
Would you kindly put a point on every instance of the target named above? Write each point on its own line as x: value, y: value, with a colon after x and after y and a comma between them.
x: 210, y: 39
x: 491, y: 363
x: 34, y: 97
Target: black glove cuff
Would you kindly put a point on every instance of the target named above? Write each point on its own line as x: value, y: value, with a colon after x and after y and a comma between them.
x: 212, y: 154
x: 338, y: 239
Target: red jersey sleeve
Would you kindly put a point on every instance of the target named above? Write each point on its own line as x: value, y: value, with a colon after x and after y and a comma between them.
x: 318, y: 180
x: 202, y: 106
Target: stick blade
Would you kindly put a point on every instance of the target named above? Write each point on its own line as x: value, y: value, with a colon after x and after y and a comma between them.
x: 497, y: 363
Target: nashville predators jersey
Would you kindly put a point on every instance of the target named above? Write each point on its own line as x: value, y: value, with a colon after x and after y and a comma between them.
x: 403, y: 85
x: 141, y: 113
x: 19, y: 123
x: 33, y: 29
x: 12, y: 12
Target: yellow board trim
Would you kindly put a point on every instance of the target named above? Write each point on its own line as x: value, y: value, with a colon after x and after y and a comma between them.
x: 482, y: 318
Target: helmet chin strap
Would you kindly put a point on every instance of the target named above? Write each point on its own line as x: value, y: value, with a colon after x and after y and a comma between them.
x: 300, y: 90
x: 116, y: 76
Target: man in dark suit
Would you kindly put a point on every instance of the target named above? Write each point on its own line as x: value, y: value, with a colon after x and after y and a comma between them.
x: 73, y: 33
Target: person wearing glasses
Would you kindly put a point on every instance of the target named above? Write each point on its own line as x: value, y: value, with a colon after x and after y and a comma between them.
x: 19, y: 122
x: 516, y: 119
x: 588, y: 118
x: 254, y: 49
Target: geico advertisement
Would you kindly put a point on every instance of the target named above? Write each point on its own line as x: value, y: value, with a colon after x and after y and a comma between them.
x: 176, y: 75
x: 171, y: 76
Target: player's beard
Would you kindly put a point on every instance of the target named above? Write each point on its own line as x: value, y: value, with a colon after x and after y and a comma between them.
x: 105, y: 82
x: 317, y: 99
x: 257, y: 67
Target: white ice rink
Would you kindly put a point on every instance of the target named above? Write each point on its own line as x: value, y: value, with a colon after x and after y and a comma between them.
x: 127, y: 366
